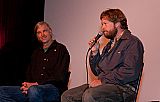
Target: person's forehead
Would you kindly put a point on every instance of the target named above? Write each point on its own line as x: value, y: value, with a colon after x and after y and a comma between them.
x: 105, y: 20
x: 44, y: 26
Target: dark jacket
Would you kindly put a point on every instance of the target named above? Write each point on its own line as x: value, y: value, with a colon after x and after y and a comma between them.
x: 122, y: 64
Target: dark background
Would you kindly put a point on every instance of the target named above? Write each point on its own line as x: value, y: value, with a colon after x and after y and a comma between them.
x: 17, y: 38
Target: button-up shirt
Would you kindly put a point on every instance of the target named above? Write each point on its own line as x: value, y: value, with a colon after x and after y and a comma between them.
x: 49, y: 66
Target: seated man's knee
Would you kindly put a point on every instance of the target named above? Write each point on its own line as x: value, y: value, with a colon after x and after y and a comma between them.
x: 33, y: 90
x: 89, y: 95
x: 64, y: 96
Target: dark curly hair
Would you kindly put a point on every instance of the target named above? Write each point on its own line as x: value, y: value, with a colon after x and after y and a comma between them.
x: 115, y: 15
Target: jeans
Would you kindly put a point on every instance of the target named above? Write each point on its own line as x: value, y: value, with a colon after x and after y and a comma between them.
x: 102, y: 93
x: 39, y: 93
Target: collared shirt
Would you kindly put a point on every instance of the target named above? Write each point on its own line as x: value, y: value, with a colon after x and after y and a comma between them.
x: 116, y: 40
x: 122, y: 64
x: 49, y: 66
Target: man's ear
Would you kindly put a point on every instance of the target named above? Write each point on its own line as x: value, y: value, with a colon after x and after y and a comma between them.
x: 117, y: 25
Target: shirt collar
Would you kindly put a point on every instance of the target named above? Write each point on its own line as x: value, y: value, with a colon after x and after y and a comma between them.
x: 125, y: 35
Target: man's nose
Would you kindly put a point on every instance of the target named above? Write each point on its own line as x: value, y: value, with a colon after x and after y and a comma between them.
x: 103, y: 26
x: 43, y: 34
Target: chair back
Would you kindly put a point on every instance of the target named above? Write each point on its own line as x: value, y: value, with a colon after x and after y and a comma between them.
x: 138, y: 84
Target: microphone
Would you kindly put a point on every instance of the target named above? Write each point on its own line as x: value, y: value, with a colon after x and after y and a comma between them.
x: 92, y: 44
x: 96, y: 38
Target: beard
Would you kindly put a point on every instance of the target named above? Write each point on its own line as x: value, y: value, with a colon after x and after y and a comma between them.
x: 111, y: 34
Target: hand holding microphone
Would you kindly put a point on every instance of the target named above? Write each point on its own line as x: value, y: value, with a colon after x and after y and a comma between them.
x: 94, y: 45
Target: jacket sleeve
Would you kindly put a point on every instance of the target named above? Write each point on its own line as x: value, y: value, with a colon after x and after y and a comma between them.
x: 93, y: 60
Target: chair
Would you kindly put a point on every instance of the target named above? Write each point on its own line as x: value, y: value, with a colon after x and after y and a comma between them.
x: 138, y: 85
x: 136, y: 90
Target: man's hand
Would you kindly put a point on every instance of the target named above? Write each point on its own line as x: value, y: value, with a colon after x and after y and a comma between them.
x: 26, y: 85
x: 95, y: 48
